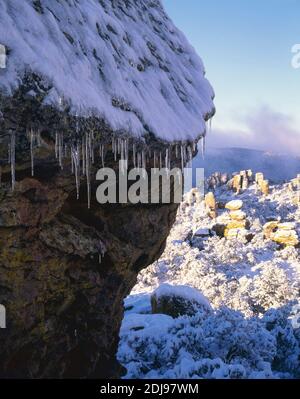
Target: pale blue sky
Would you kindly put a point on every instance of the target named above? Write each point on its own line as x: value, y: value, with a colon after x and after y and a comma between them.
x: 246, y: 49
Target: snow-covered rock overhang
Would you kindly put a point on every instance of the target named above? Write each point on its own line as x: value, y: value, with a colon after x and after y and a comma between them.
x: 122, y: 61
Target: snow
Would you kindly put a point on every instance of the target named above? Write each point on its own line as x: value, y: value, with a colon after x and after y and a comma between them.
x: 253, y: 287
x: 98, y: 53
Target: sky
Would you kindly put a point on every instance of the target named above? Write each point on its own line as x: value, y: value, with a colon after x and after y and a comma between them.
x: 246, y: 47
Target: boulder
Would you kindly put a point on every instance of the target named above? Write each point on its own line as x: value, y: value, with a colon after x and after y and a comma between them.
x: 287, y: 226
x: 210, y: 201
x: 269, y: 228
x: 238, y: 224
x: 236, y: 183
x: 245, y: 183
x: 282, y: 233
x: 237, y: 215
x: 264, y: 187
x: 259, y: 177
x: 177, y: 301
x: 219, y: 229
x: 203, y: 233
x: 285, y: 237
x: 234, y: 205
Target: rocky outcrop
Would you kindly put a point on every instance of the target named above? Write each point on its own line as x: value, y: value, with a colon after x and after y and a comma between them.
x: 211, y: 205
x: 66, y: 264
x: 281, y: 233
x: 65, y: 270
x: 179, y: 300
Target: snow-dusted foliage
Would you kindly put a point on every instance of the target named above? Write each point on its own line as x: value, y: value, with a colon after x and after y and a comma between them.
x: 222, y: 345
x: 252, y: 285
x: 123, y: 61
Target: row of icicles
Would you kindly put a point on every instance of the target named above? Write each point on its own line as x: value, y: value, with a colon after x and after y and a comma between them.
x: 82, y: 155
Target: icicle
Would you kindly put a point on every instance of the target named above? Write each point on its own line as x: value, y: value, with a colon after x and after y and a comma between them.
x: 56, y: 144
x: 122, y: 149
x: 139, y: 160
x: 93, y: 150
x: 13, y: 159
x: 115, y: 150
x: 76, y: 166
x: 176, y: 151
x: 78, y: 154
x: 154, y: 159
x: 102, y: 154
x: 83, y: 156
x: 90, y: 144
x: 87, y: 168
x: 127, y: 150
x: 31, y: 136
x: 167, y: 159
x: 190, y: 153
x: 182, y: 157
x: 160, y: 161
x: 144, y: 163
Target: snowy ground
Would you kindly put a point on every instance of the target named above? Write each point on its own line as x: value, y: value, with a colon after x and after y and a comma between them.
x: 252, y: 287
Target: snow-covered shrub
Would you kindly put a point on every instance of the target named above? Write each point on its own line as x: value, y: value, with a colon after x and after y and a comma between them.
x: 287, y: 359
x: 271, y: 288
x: 251, y: 287
x: 221, y: 345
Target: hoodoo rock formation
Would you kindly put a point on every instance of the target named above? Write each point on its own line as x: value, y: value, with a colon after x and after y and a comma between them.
x: 84, y: 86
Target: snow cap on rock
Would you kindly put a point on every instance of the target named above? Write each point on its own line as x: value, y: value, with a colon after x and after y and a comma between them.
x: 122, y: 61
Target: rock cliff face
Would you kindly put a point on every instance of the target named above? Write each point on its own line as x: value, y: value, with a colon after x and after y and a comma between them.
x: 65, y: 267
x: 65, y: 270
